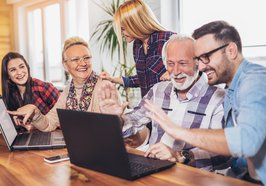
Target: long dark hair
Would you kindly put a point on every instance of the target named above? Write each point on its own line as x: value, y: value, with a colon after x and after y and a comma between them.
x: 10, y: 92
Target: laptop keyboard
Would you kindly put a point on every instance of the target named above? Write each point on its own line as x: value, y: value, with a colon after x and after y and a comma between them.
x: 138, y: 168
x: 22, y: 139
x: 40, y: 138
x: 139, y: 165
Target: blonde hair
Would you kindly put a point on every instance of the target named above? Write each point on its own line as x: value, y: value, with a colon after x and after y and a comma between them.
x: 173, y: 38
x: 73, y: 41
x: 137, y: 18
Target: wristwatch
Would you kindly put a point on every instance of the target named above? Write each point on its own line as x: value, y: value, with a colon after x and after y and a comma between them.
x: 186, y: 156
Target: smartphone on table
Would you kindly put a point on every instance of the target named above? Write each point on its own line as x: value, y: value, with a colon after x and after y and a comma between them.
x: 55, y: 159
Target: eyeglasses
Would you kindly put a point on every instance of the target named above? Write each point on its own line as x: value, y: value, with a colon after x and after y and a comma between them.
x: 86, y: 59
x: 205, y: 58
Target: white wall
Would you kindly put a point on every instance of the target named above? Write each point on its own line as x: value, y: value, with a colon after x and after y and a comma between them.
x: 102, y: 60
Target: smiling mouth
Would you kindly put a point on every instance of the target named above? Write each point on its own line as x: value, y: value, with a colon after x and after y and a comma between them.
x: 209, y: 72
x: 179, y: 79
x: 20, y: 78
x: 82, y: 69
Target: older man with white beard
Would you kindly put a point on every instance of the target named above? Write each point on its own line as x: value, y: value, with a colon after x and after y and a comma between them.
x: 187, y: 99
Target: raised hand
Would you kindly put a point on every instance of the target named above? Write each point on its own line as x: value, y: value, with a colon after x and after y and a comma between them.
x: 109, y: 101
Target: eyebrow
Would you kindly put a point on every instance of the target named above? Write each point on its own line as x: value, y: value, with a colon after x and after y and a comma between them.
x: 207, y: 54
x: 12, y: 68
x: 179, y: 61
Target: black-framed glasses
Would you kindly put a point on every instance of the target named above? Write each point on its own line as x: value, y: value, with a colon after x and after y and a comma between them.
x: 205, y: 58
x: 86, y: 59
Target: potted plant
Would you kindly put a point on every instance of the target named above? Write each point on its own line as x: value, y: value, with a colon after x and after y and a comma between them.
x: 106, y: 37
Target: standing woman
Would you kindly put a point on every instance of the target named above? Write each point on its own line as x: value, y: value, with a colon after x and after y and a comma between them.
x: 19, y: 88
x: 134, y: 21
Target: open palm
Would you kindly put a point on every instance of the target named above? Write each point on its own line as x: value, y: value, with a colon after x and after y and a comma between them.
x: 109, y: 101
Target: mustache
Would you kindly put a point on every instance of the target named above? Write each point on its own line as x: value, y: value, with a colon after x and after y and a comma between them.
x: 206, y: 69
x: 182, y: 75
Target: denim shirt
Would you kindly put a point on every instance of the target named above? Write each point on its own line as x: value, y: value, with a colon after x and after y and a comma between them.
x: 245, y: 116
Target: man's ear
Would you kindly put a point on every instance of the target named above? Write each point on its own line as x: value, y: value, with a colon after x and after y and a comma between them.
x: 232, y: 50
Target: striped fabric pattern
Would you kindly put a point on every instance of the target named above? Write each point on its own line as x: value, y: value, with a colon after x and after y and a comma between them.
x: 204, y: 110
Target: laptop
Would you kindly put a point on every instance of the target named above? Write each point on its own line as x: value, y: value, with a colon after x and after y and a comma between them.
x: 35, y: 140
x: 95, y: 141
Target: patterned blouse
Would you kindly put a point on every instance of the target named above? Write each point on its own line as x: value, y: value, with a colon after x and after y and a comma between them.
x: 149, y: 66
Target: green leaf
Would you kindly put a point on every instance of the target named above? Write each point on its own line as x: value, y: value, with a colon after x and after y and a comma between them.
x: 105, y: 36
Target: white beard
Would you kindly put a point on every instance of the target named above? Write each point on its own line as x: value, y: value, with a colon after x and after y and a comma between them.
x: 189, y: 80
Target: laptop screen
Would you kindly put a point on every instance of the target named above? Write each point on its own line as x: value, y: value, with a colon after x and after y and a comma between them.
x: 8, y: 129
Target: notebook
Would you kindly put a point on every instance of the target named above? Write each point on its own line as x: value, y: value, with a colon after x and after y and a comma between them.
x: 95, y: 141
x: 28, y: 140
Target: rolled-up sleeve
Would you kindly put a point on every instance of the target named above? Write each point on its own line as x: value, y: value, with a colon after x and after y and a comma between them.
x: 248, y: 136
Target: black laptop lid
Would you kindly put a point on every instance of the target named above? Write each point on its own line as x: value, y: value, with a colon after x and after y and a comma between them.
x: 95, y: 141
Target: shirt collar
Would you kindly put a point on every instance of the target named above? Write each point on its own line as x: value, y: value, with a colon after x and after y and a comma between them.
x: 153, y: 38
x: 242, y: 66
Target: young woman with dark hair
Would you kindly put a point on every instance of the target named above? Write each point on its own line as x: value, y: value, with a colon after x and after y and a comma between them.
x: 19, y: 88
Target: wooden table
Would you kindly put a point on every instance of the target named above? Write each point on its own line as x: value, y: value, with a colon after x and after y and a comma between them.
x: 28, y: 168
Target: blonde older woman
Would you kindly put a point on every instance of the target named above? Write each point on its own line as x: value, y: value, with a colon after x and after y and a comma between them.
x: 78, y: 95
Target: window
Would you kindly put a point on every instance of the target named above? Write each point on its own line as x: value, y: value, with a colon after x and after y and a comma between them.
x: 77, y: 18
x: 40, y: 30
x: 245, y: 16
x: 44, y: 38
x: 52, y: 30
x: 36, y: 58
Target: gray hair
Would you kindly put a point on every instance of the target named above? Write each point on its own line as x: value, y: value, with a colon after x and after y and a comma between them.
x: 172, y: 39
